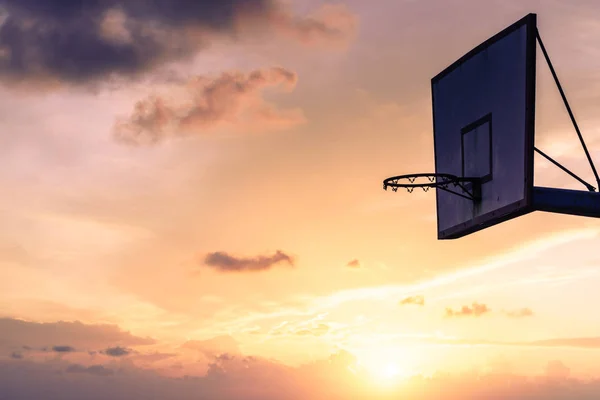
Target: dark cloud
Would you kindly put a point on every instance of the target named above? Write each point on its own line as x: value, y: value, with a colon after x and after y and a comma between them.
x: 224, y: 262
x: 521, y: 313
x: 233, y: 99
x: 353, y: 264
x: 79, y: 41
x: 98, y: 369
x: 63, y: 349
x: 476, y: 310
x: 15, y: 332
x: 16, y: 355
x: 416, y: 300
x: 117, y: 351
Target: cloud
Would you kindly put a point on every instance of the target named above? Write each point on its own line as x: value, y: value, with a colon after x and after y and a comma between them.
x: 83, y: 41
x: 319, y: 330
x: 231, y: 100
x: 575, y: 343
x: 521, y: 313
x: 63, y: 349
x: 98, y: 369
x: 213, y: 347
x: 230, y: 375
x: 14, y: 253
x: 254, y: 378
x: 152, y: 357
x: 416, y: 300
x: 354, y: 264
x: 556, y: 369
x: 476, y: 310
x: 19, y: 333
x: 581, y: 342
x: 16, y: 355
x: 117, y: 351
x: 224, y: 262
x: 331, y: 24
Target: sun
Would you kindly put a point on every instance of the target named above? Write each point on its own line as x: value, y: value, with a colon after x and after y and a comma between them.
x: 390, y: 370
x: 386, y: 366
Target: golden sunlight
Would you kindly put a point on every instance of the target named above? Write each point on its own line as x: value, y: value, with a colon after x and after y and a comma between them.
x: 387, y: 365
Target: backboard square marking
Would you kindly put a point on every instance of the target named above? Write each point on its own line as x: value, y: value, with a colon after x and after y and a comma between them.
x: 476, y: 149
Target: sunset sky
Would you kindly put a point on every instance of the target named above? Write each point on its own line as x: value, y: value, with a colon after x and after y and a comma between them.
x: 192, y: 206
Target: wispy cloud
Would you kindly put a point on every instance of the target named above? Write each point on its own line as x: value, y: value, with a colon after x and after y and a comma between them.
x: 522, y: 253
x: 318, y: 330
x: 520, y: 313
x: 99, y: 370
x: 581, y: 342
x: 573, y: 343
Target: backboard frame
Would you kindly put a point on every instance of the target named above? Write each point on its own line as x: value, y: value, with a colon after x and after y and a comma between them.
x: 525, y: 205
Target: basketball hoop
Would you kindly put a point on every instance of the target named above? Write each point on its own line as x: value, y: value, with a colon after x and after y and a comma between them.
x: 470, y: 187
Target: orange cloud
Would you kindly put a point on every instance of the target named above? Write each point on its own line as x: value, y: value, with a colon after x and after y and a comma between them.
x: 521, y: 313
x: 331, y: 24
x: 318, y: 330
x: 416, y: 300
x: 231, y: 100
x: 575, y: 343
x: 213, y: 347
x: 557, y: 370
x: 476, y: 310
x: 581, y: 342
x: 354, y: 264
x: 225, y: 262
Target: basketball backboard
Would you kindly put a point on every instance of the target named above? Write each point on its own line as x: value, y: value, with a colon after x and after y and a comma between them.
x: 483, y: 123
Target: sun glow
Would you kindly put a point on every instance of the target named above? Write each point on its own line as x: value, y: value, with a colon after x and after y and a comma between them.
x: 390, y: 370
x: 386, y: 366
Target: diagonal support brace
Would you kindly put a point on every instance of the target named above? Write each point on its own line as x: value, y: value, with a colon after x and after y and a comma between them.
x: 564, y: 98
